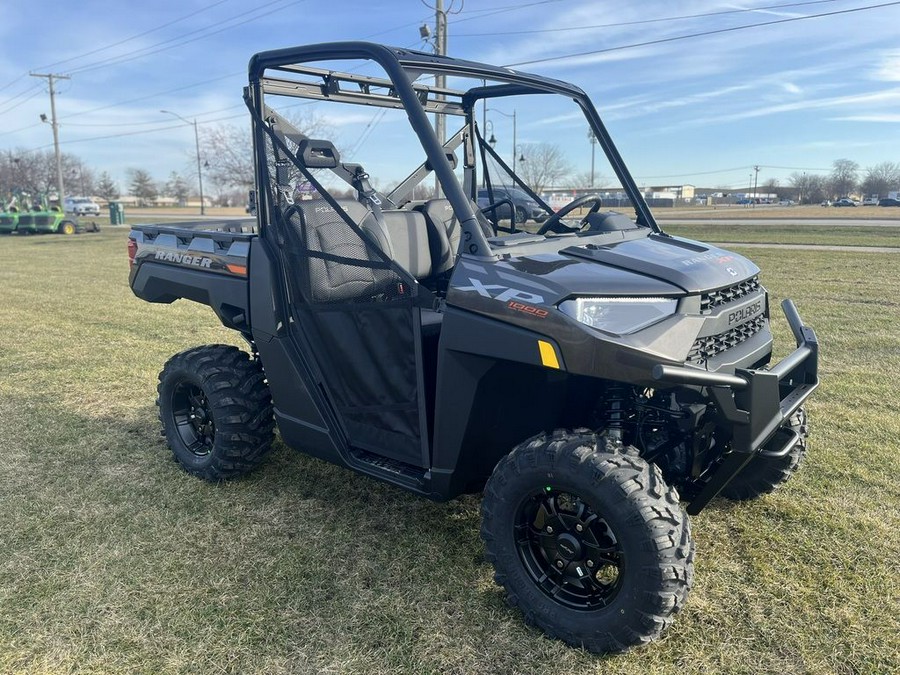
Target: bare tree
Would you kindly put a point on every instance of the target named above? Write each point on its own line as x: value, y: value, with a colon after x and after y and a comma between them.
x: 78, y: 178
x: 844, y: 177
x: 227, y: 150
x: 544, y: 165
x: 881, y: 179
x: 802, y: 184
x: 770, y: 187
x: 818, y: 190
x: 583, y: 180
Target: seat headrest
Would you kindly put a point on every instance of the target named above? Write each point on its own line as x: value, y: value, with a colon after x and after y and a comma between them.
x: 318, y: 154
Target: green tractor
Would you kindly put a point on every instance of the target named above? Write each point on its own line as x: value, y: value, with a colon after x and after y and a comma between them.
x: 46, y: 219
x: 9, y: 217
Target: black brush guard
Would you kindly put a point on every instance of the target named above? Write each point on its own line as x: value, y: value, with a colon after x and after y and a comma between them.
x: 755, y: 402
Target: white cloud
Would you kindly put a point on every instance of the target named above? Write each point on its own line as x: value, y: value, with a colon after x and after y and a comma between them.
x: 893, y: 118
x: 889, y: 68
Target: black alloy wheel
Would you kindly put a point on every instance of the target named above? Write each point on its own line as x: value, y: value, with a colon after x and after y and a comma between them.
x: 569, y: 551
x: 216, y: 411
x: 193, y: 418
x: 587, y: 539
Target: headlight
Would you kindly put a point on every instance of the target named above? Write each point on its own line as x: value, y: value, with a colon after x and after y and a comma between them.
x: 619, y: 315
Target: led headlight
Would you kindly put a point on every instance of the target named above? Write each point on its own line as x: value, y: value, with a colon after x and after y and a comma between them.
x: 619, y: 315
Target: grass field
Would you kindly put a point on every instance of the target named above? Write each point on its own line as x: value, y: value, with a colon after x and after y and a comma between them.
x: 831, y: 235
x: 114, y: 560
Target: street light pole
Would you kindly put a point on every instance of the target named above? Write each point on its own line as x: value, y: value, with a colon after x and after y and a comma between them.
x: 593, y: 139
x: 513, y: 135
x: 197, y: 144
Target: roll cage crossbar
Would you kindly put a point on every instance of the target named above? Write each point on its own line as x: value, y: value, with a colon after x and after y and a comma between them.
x: 401, y: 91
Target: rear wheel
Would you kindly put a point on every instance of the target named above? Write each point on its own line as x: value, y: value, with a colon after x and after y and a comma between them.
x: 521, y: 216
x: 588, y: 540
x: 763, y: 474
x: 216, y: 411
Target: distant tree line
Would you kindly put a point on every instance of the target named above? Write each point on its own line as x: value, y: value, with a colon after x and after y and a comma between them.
x: 846, y: 178
x: 226, y: 153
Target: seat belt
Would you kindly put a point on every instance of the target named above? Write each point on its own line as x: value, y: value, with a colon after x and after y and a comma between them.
x: 361, y: 182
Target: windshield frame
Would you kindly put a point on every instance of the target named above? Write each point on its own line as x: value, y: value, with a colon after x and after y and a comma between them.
x: 402, y: 89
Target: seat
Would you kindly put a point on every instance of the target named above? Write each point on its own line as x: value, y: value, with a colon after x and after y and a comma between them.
x: 334, y: 277
x: 445, y: 232
x: 410, y: 241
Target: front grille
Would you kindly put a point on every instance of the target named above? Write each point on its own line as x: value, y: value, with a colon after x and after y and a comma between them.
x: 708, y: 347
x: 709, y: 301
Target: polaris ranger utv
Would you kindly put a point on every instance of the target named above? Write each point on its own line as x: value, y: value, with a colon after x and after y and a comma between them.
x: 590, y: 376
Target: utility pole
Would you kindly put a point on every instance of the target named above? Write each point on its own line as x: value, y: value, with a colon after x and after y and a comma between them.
x: 197, y: 145
x: 440, y: 81
x: 53, y: 123
x: 756, y: 183
x: 440, y: 48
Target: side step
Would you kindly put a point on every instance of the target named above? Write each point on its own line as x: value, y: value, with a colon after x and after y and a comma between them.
x: 391, y: 470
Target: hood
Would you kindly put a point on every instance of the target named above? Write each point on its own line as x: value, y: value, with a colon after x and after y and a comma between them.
x: 690, y: 265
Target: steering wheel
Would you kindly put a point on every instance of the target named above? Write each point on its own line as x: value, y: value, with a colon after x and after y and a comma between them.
x: 555, y: 220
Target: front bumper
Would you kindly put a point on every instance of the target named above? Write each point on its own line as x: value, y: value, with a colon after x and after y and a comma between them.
x: 755, y: 403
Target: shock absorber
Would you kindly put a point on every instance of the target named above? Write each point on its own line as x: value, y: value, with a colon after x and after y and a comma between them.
x: 614, y: 413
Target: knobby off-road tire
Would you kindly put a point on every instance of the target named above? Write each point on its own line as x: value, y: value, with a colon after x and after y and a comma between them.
x: 763, y: 474
x: 216, y: 411
x: 613, y: 566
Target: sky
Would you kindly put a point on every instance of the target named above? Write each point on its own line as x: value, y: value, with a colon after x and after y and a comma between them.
x: 790, y: 96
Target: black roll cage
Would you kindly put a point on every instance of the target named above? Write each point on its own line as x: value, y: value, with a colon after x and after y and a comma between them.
x: 401, y: 91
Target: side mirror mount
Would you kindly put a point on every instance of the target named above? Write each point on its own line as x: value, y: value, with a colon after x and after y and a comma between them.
x: 251, y: 202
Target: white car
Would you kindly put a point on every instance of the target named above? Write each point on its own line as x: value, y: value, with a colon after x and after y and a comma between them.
x: 870, y: 201
x: 81, y: 206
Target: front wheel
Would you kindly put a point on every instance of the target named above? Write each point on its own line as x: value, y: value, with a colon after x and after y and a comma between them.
x: 763, y: 474
x: 588, y: 540
x: 216, y: 411
x: 66, y: 227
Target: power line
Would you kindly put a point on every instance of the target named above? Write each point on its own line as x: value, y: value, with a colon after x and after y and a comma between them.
x: 693, y: 173
x: 646, y: 21
x: 700, y: 34
x: 22, y: 102
x: 138, y: 35
x: 154, y: 95
x: 116, y: 44
x: 503, y: 10
x: 103, y: 138
x: 178, y: 41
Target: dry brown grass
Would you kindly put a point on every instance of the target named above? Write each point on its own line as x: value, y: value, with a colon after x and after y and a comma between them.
x: 113, y: 560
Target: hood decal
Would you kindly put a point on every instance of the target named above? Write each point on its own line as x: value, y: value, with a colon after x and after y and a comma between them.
x: 688, y: 264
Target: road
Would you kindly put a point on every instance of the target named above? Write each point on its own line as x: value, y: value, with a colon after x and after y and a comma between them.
x: 782, y: 222
x: 813, y: 247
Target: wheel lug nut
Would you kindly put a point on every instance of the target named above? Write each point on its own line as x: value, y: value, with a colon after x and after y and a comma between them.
x: 579, y: 527
x: 549, y: 530
x: 559, y: 563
